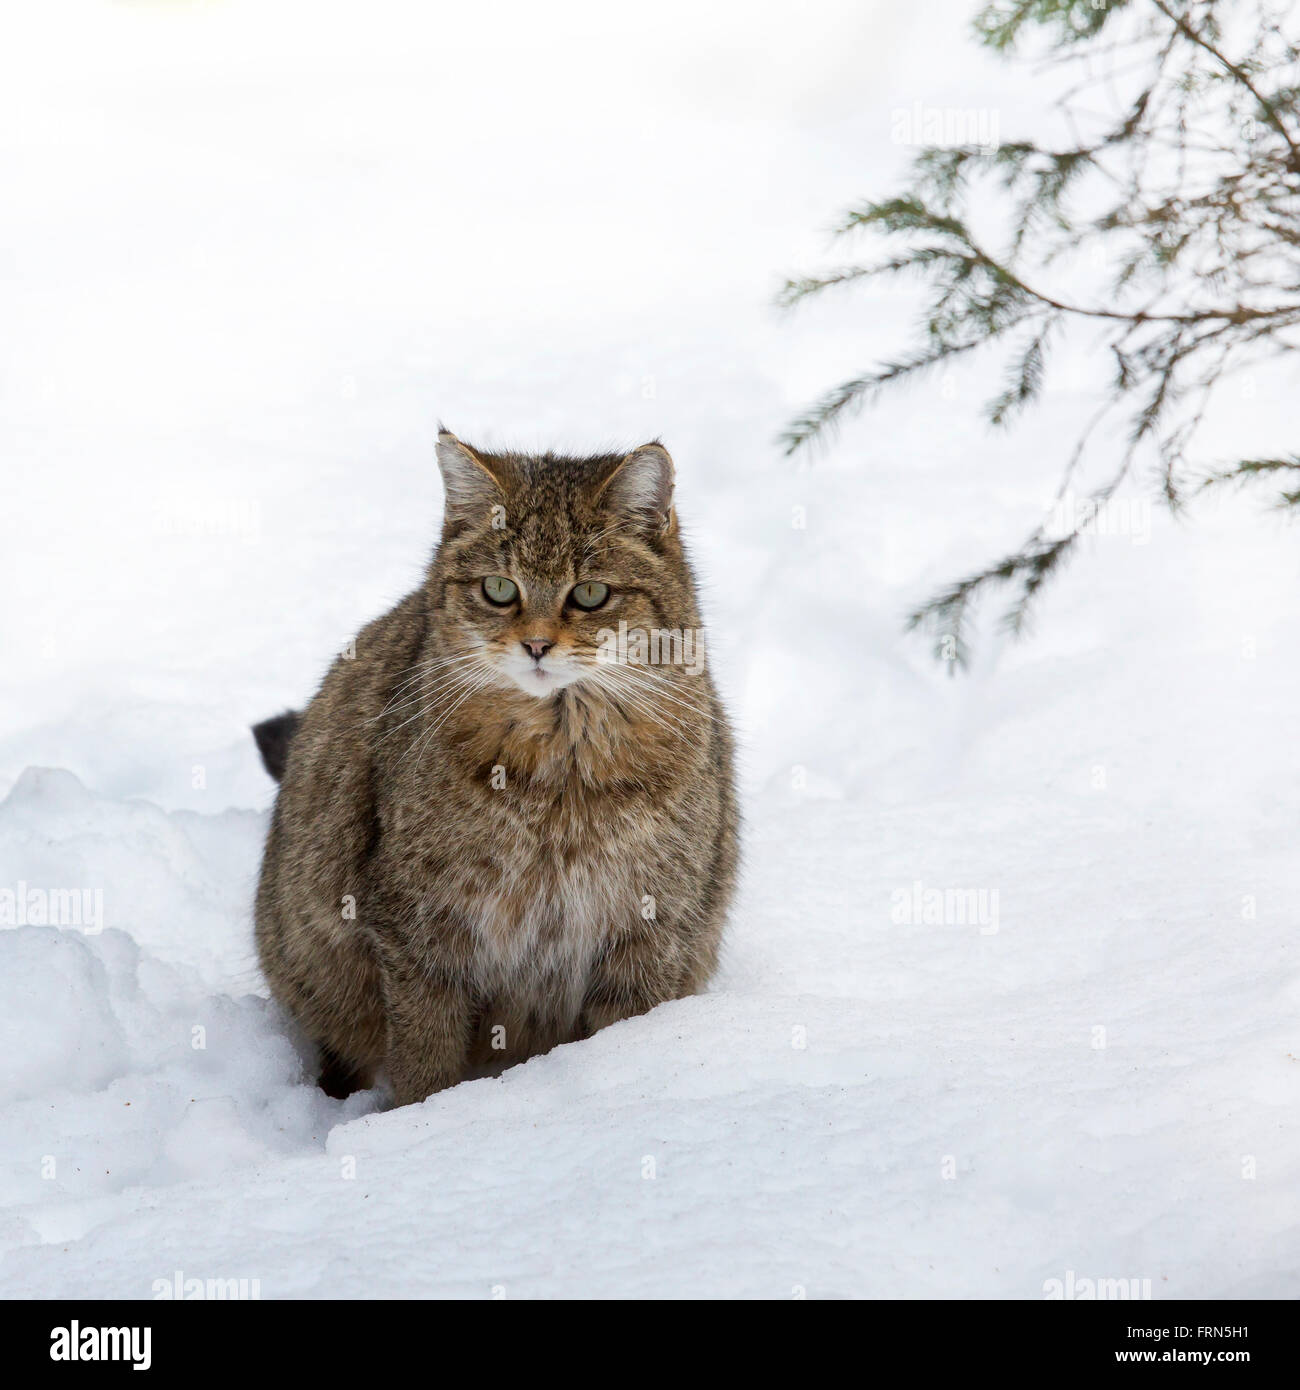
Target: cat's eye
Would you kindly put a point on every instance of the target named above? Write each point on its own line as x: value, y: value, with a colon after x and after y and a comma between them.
x: 590, y: 594
x: 500, y: 590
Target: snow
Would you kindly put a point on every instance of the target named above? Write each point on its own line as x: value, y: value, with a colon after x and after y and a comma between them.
x: 256, y: 258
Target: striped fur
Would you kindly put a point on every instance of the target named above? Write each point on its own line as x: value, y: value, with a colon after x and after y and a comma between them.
x: 471, y: 860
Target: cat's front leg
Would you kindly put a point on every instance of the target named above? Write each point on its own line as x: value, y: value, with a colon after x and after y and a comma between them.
x: 428, y: 1019
x: 637, y: 971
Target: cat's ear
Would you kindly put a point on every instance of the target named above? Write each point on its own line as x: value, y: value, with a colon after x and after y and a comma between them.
x: 469, y: 487
x: 641, y: 487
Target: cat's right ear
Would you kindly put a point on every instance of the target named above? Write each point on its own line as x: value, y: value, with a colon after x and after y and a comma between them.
x: 641, y: 488
x: 469, y: 488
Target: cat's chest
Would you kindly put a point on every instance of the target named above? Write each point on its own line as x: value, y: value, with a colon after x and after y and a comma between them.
x: 569, y: 873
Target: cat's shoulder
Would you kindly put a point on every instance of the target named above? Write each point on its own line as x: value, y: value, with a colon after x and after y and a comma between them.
x: 367, y: 666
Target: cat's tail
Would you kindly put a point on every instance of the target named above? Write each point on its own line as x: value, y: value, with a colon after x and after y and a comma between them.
x: 273, y: 738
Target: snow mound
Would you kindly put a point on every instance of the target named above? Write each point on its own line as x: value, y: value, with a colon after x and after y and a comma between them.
x: 868, y: 1102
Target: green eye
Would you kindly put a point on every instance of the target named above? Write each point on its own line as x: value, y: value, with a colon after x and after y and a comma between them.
x: 591, y: 594
x: 500, y: 590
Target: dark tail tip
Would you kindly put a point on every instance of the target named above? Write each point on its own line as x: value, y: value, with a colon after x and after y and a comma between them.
x: 273, y: 738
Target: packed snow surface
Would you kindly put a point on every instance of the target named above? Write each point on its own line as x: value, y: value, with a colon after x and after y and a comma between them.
x: 1011, y: 986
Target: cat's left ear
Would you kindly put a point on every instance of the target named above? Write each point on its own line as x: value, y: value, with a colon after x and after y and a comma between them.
x: 470, y: 490
x: 641, y: 487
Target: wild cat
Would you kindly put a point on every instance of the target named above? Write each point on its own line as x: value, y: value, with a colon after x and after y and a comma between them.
x: 498, y: 831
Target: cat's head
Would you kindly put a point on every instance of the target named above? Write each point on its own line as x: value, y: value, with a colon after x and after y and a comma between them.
x: 543, y: 557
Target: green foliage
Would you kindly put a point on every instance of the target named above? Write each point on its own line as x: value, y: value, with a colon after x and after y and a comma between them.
x: 1192, y: 190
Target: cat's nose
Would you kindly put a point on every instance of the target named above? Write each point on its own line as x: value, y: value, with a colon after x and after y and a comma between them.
x: 537, y: 647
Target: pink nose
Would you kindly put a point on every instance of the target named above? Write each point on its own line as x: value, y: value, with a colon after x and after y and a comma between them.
x: 537, y: 647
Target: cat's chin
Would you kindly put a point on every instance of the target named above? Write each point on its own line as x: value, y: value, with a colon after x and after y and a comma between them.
x: 542, y: 685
